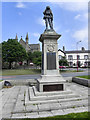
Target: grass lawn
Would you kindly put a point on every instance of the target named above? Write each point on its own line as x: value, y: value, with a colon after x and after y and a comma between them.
x: 1, y: 80
x: 29, y: 71
x: 21, y: 72
x: 71, y: 116
x: 71, y: 71
x: 86, y: 76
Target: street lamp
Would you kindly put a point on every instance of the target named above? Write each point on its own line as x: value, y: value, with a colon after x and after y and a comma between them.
x: 77, y: 53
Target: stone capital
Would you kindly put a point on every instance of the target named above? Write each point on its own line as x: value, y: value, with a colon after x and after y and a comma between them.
x: 49, y: 35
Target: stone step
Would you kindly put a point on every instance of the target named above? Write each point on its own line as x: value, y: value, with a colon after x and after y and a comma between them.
x: 59, y: 106
x: 32, y: 96
x: 54, y: 106
x: 74, y: 104
x: 55, y: 101
x: 16, y: 115
x: 36, y: 93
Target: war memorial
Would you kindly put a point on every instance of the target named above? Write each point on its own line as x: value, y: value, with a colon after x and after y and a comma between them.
x: 51, y: 94
x: 50, y: 80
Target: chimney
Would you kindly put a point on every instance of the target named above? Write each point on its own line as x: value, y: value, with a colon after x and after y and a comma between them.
x: 83, y: 49
x: 63, y: 48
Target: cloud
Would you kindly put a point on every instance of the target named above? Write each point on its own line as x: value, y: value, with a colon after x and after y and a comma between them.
x: 77, y: 16
x: 74, y: 6
x: 20, y: 5
x: 81, y: 35
x: 81, y: 17
x: 41, y: 21
x: 36, y: 35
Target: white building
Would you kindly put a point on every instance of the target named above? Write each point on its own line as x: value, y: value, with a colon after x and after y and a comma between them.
x: 81, y: 56
x: 61, y: 54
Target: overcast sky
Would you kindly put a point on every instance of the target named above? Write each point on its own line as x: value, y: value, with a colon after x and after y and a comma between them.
x: 70, y: 20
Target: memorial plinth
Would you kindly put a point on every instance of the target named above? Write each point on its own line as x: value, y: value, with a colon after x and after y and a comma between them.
x: 50, y: 80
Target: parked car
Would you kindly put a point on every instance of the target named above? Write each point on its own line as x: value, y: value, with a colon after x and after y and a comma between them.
x: 83, y: 66
x: 31, y: 64
x: 62, y: 67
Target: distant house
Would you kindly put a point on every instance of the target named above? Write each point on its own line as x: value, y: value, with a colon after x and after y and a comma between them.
x: 82, y: 56
x: 27, y: 46
x: 34, y: 47
x: 61, y: 54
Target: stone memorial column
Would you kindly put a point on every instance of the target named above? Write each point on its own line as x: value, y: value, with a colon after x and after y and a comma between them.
x: 50, y: 80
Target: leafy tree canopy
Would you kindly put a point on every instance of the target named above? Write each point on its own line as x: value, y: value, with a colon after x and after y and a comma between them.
x: 30, y: 56
x: 63, y: 61
x: 12, y: 51
x: 35, y: 57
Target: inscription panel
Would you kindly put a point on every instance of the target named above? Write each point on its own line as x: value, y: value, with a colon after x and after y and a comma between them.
x: 51, y: 60
x: 55, y: 87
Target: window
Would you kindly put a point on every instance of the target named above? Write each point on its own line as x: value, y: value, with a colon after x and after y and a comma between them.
x: 71, y: 64
x: 70, y: 57
x: 85, y: 57
x: 60, y: 57
x: 78, y: 56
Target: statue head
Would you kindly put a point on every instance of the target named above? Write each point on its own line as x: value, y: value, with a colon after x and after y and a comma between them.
x: 48, y: 7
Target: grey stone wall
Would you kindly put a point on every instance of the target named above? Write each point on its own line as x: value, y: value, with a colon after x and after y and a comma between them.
x: 81, y: 81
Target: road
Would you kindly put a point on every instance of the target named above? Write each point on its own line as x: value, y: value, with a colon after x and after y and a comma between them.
x: 22, y: 77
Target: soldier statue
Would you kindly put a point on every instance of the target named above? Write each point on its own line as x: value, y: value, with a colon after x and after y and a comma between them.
x: 48, y: 17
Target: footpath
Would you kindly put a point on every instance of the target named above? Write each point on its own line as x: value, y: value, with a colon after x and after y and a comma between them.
x: 24, y: 101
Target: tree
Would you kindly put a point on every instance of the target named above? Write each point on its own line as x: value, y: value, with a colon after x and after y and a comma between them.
x: 30, y: 57
x: 63, y: 61
x: 13, y: 51
x: 36, y: 58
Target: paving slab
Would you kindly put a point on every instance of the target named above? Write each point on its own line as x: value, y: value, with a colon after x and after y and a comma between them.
x: 14, y: 104
x: 9, y: 100
x: 32, y: 115
x: 69, y: 110
x: 44, y: 107
x: 19, y: 108
x: 19, y: 115
x: 45, y: 114
x: 32, y: 108
x: 57, y: 112
x: 55, y: 106
x: 74, y: 104
x: 81, y: 109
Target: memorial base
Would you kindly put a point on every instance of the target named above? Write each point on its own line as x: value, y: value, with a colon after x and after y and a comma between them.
x: 49, y: 83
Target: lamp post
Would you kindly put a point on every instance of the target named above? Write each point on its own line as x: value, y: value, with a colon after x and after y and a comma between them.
x: 77, y: 53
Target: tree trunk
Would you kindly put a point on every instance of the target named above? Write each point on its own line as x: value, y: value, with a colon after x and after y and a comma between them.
x: 10, y: 65
x: 27, y: 62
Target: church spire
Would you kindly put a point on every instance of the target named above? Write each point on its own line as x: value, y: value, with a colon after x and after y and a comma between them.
x: 27, y: 38
x: 16, y: 38
x: 21, y: 38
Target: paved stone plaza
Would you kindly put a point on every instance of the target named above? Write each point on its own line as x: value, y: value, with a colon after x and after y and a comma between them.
x: 25, y: 102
